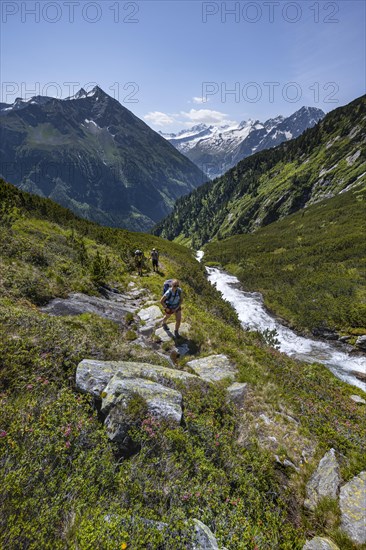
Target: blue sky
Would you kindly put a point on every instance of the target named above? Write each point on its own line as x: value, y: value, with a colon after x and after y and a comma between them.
x: 179, y: 63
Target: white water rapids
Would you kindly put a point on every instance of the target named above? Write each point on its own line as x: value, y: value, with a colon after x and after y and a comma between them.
x: 253, y: 316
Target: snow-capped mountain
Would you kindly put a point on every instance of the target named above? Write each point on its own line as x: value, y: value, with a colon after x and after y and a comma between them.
x: 216, y: 149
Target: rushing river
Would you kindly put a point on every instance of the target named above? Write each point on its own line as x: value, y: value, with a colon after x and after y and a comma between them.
x: 253, y: 316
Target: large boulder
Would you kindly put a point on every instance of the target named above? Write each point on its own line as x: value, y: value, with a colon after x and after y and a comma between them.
x: 213, y: 368
x: 353, y: 508
x: 320, y: 543
x: 324, y: 482
x: 162, y: 403
x: 93, y: 376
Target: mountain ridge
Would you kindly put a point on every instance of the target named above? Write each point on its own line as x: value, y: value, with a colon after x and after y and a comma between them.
x: 271, y: 184
x: 91, y: 154
x: 216, y: 149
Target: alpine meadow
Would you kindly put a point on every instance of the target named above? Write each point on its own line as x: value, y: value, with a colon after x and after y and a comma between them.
x: 182, y: 275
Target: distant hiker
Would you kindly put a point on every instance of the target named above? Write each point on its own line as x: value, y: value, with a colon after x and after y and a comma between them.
x: 139, y: 260
x: 155, y: 259
x: 172, y: 302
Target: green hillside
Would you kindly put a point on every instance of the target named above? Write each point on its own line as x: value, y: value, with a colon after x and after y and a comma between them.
x: 263, y: 188
x: 65, y: 485
x: 310, y: 266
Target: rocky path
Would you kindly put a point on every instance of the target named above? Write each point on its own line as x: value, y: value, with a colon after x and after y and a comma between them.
x: 114, y: 383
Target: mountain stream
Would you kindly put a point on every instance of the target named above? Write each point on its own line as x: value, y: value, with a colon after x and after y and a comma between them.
x: 253, y: 316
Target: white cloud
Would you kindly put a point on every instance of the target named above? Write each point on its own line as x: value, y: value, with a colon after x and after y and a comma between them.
x: 206, y: 116
x: 200, y: 99
x: 159, y: 119
x: 186, y: 119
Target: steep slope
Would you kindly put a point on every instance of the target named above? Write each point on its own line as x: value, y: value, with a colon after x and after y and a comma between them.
x: 309, y: 266
x: 240, y: 469
x: 92, y: 155
x: 216, y: 149
x: 269, y: 185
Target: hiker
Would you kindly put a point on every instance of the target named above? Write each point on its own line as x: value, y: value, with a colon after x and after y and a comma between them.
x: 155, y: 259
x: 172, y: 302
x: 139, y: 259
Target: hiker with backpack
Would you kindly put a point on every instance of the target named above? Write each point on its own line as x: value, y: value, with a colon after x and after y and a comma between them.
x: 155, y: 259
x: 139, y: 260
x: 172, y: 302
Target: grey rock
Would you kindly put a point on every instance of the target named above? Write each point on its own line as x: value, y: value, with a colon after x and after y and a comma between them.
x: 166, y: 335
x: 361, y: 342
x: 353, y: 508
x: 236, y: 392
x: 162, y: 403
x: 344, y: 338
x: 182, y: 349
x: 265, y: 419
x: 150, y: 314
x: 358, y: 399
x: 320, y: 543
x: 113, y: 309
x: 93, y: 376
x: 205, y: 539
x: 146, y: 331
x: 286, y: 463
x: 324, y: 482
x: 119, y: 389
x: 213, y: 368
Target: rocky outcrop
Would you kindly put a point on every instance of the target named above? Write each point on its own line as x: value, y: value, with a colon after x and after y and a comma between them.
x: 324, y: 482
x: 114, y: 308
x: 93, y: 376
x: 162, y: 403
x: 213, y: 368
x: 353, y: 508
x: 205, y: 539
x: 320, y: 543
x: 117, y: 382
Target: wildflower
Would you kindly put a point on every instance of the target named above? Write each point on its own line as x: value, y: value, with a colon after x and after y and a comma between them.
x: 3, y: 433
x: 67, y: 444
x: 45, y: 382
x: 67, y: 431
x: 123, y: 545
x: 29, y: 386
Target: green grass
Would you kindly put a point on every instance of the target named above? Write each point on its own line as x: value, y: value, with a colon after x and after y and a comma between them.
x: 64, y: 485
x: 310, y: 267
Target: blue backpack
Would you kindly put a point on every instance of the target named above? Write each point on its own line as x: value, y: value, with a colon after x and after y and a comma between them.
x: 167, y: 285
